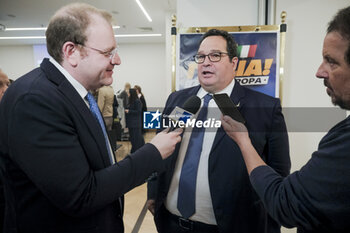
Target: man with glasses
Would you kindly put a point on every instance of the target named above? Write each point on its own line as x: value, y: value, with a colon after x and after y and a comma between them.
x: 58, y: 168
x: 223, y: 198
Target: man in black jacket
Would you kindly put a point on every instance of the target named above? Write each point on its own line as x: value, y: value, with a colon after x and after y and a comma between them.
x: 222, y: 198
x: 60, y: 172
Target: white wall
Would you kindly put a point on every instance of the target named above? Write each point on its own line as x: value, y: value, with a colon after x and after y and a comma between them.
x: 216, y: 13
x: 16, y: 60
x: 142, y: 64
x: 306, y: 30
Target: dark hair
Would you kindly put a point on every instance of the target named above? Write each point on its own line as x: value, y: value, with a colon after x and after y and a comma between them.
x: 133, y: 96
x: 341, y: 24
x: 70, y: 24
x: 138, y: 88
x: 231, y: 44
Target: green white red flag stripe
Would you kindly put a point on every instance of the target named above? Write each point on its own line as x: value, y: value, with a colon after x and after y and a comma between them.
x: 245, y: 51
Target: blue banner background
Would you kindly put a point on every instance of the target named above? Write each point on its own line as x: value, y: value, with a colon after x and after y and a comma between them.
x: 266, y: 49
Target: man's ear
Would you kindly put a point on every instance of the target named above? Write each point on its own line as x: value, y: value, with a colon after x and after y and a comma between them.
x: 234, y: 62
x: 71, y: 53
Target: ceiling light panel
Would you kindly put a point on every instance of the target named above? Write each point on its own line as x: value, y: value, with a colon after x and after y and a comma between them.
x: 144, y: 10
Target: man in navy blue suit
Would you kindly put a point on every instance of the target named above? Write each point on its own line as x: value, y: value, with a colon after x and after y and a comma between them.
x: 315, y: 199
x: 4, y: 83
x: 57, y: 164
x: 224, y: 198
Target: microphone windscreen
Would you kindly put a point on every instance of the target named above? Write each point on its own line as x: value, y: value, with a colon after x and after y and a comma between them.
x: 192, y: 104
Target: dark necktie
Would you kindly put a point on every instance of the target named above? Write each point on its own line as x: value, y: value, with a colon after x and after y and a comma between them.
x: 97, y: 114
x: 186, y: 200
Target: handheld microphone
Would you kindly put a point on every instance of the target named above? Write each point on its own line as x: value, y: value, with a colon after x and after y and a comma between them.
x: 189, y: 109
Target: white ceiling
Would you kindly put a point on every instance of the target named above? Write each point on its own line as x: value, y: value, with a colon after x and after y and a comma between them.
x: 127, y: 14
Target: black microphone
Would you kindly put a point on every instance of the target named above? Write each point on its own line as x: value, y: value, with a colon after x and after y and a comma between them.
x: 185, y: 113
x: 192, y: 104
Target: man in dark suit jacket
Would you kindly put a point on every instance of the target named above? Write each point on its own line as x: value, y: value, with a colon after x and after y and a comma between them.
x: 4, y: 83
x: 315, y: 199
x: 56, y: 162
x: 225, y: 200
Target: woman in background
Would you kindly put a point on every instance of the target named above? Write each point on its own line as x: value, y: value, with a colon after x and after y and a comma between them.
x: 144, y: 105
x: 133, y: 118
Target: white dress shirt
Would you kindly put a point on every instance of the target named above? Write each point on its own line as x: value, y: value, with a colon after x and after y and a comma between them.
x: 204, y: 208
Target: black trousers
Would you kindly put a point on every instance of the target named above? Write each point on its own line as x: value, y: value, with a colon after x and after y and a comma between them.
x: 136, y: 139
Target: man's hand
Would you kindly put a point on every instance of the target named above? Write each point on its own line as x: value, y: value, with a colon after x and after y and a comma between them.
x: 151, y: 205
x: 165, y: 142
x: 236, y: 130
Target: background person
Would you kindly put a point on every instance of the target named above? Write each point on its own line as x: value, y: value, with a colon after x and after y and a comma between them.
x: 59, y: 172
x: 223, y: 199
x: 133, y: 121
x: 4, y: 83
x: 144, y: 105
x: 105, y: 102
x: 124, y: 95
x: 315, y: 199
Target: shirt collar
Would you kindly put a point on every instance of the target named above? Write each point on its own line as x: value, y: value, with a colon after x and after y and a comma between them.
x: 228, y: 90
x: 77, y: 86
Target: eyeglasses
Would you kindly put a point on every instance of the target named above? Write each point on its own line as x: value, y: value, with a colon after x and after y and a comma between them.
x: 213, y: 57
x: 109, y: 54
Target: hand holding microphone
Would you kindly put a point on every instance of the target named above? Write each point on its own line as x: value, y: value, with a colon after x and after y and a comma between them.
x: 189, y: 109
x: 166, y: 140
x: 235, y: 130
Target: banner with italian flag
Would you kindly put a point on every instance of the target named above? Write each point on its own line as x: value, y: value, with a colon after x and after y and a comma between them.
x: 258, y: 60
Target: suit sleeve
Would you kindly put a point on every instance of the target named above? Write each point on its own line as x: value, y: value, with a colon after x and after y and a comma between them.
x: 46, y: 146
x: 317, y: 196
x: 277, y: 143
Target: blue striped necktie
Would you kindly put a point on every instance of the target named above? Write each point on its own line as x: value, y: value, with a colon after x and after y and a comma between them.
x: 186, y: 201
x: 97, y: 114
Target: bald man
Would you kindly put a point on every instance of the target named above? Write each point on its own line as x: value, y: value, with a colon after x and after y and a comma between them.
x: 4, y: 83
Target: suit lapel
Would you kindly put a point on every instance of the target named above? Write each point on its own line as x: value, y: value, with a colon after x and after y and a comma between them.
x: 64, y: 86
x: 237, y: 96
x: 183, y: 96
